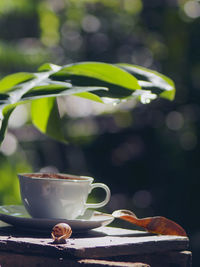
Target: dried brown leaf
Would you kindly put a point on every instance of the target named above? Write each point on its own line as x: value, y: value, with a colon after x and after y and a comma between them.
x: 157, y: 225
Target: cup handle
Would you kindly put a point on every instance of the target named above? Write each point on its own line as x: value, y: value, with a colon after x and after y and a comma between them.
x: 105, y: 201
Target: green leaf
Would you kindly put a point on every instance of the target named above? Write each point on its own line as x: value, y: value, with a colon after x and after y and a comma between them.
x: 57, y: 90
x: 48, y: 67
x: 90, y: 96
x: 7, y: 111
x: 45, y: 90
x: 102, y: 71
x: 119, y: 82
x: 152, y: 80
x: 11, y: 80
x: 101, y: 82
x: 45, y: 116
x: 4, y: 98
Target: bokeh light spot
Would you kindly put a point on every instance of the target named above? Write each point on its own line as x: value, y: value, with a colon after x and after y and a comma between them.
x: 19, y: 117
x: 174, y: 120
x: 142, y: 56
x: 91, y: 23
x: 192, y: 9
x: 9, y: 145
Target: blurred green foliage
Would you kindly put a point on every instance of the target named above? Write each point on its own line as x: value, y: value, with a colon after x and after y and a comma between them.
x: 9, y: 189
x: 148, y: 155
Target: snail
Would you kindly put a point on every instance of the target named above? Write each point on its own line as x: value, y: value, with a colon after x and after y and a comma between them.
x: 61, y: 232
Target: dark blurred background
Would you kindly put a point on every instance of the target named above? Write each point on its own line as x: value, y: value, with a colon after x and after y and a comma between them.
x: 148, y: 154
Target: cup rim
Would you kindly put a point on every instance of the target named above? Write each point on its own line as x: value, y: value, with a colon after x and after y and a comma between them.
x: 71, y: 177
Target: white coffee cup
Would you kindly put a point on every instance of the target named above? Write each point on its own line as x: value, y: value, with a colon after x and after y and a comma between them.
x: 47, y: 195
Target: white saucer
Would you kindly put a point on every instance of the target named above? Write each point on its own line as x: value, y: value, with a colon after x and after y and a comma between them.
x: 17, y: 216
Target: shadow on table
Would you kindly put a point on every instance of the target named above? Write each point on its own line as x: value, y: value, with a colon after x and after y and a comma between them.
x: 98, y: 232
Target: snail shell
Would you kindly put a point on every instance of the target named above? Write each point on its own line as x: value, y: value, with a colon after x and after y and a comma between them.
x: 61, y: 232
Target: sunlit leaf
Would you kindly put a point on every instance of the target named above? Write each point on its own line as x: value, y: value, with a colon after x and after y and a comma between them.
x: 13, y: 79
x: 90, y: 96
x: 100, y: 82
x: 48, y: 67
x: 119, y: 82
x: 152, y: 80
x: 101, y: 71
x: 45, y: 116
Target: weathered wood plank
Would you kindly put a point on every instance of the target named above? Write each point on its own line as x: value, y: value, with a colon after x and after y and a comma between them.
x: 103, y: 263
x: 167, y: 259
x: 94, y: 247
x: 19, y: 260
x: 164, y: 259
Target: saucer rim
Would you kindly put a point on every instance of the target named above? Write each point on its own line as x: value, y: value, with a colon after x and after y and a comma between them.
x: 46, y: 223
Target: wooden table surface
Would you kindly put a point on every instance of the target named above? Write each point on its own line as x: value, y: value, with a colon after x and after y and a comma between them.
x: 100, y: 247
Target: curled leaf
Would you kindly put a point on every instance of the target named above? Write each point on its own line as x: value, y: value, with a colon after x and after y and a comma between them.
x: 158, y: 225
